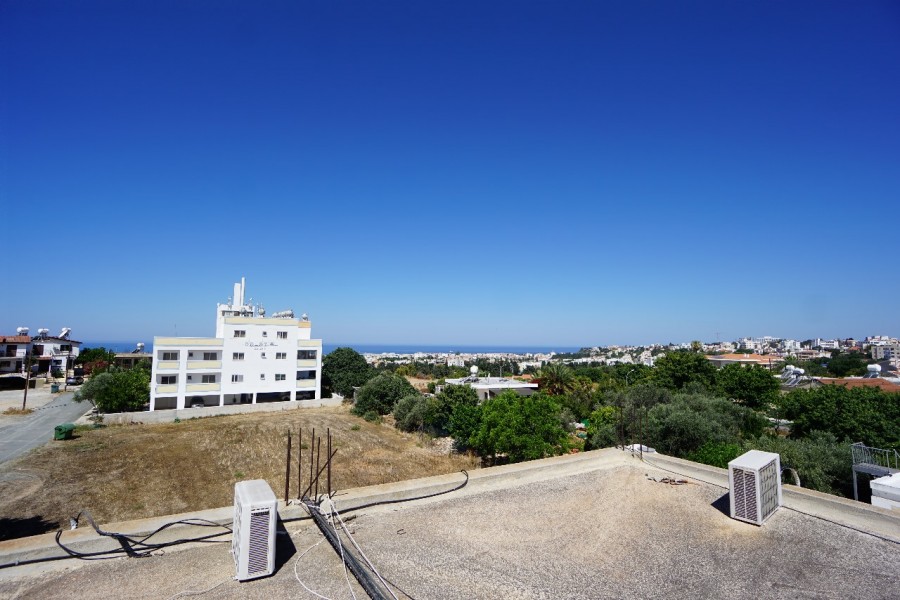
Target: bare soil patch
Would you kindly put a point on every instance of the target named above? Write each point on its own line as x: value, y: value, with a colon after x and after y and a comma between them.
x: 138, y: 471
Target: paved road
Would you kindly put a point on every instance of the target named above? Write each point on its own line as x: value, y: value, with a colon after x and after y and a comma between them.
x: 36, y: 429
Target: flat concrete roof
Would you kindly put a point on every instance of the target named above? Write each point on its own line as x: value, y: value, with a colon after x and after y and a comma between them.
x: 600, y: 524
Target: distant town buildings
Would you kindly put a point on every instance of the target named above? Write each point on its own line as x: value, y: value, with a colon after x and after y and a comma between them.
x: 253, y: 358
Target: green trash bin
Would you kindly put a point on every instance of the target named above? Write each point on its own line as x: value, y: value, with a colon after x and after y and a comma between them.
x: 64, y: 431
x: 54, y: 388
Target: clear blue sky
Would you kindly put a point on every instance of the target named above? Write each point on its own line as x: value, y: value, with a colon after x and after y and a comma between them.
x: 504, y: 172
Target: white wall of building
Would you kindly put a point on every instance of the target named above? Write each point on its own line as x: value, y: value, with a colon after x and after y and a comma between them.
x: 250, y: 356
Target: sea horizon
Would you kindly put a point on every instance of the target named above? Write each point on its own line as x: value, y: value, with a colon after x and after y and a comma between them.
x: 385, y: 348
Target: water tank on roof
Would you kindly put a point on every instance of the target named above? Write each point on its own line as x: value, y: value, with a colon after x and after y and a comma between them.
x: 874, y: 368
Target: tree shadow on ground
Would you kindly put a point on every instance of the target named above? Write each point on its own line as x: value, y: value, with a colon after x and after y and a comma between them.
x: 723, y: 505
x: 13, y: 528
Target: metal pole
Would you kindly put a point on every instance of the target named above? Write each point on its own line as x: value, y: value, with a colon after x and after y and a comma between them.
x: 318, y: 456
x: 287, y: 470
x: 299, y: 462
x: 329, y: 463
x: 312, y: 455
x: 27, y: 379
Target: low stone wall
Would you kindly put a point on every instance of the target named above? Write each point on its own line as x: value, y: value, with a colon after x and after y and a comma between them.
x: 167, y: 416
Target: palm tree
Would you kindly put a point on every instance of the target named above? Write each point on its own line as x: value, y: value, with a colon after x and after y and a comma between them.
x: 556, y: 378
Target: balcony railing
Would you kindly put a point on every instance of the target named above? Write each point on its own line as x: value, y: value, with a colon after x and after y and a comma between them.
x: 203, y: 387
x: 204, y: 364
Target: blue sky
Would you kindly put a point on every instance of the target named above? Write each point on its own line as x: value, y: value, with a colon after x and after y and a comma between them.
x: 516, y: 173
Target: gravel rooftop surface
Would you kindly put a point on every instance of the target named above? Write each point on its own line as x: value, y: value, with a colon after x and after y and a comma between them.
x: 611, y: 533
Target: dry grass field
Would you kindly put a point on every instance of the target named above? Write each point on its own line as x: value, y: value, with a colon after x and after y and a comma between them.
x: 135, y: 471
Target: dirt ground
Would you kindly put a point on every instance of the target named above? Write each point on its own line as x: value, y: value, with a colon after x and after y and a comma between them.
x: 12, y: 399
x: 136, y: 471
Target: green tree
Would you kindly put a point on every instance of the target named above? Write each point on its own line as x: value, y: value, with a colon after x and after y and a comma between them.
x: 556, y: 379
x: 465, y: 422
x: 846, y: 364
x: 91, y: 355
x: 381, y: 393
x: 861, y: 414
x: 521, y: 427
x: 680, y: 368
x: 450, y: 397
x: 343, y: 369
x: 581, y: 398
x: 117, y: 390
x: 601, y: 429
x: 691, y: 420
x: 753, y: 385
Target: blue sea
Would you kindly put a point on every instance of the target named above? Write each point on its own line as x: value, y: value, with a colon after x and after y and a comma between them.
x: 378, y: 348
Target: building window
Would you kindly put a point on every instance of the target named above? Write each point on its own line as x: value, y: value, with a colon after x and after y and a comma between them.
x: 263, y: 355
x: 190, y: 378
x: 190, y: 355
x: 209, y: 379
x: 306, y: 375
x: 237, y: 378
x: 262, y: 376
x: 279, y: 377
x: 280, y: 355
x: 210, y: 356
x: 306, y: 355
x: 170, y: 356
x: 240, y: 333
x: 237, y: 356
x: 282, y: 335
x: 265, y: 334
x: 168, y: 380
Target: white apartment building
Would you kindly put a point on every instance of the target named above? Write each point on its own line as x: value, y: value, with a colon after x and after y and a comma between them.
x: 252, y: 359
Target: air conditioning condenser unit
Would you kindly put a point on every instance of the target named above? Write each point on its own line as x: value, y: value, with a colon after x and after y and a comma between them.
x: 253, y: 534
x: 754, y: 480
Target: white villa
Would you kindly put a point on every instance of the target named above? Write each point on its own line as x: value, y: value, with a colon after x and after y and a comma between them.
x: 488, y: 387
x: 252, y: 359
x: 48, y: 353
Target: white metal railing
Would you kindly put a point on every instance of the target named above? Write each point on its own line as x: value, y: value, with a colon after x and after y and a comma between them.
x: 863, y: 454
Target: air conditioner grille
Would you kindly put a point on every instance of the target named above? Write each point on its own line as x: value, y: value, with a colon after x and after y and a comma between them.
x: 769, y: 478
x: 258, y: 547
x: 745, y: 495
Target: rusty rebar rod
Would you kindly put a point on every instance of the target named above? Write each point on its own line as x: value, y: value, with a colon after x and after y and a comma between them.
x: 309, y: 489
x: 299, y: 461
x: 318, y: 456
x: 312, y: 456
x: 287, y: 470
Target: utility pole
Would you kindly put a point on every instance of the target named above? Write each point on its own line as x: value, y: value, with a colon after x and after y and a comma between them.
x: 27, y: 378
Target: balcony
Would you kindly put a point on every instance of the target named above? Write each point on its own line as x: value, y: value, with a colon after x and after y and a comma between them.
x: 167, y: 365
x: 307, y: 362
x: 166, y: 389
x: 203, y: 387
x: 210, y: 365
x: 306, y: 384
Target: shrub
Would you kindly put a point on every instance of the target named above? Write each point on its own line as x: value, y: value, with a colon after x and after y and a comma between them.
x: 692, y: 420
x: 716, y: 454
x: 410, y: 413
x: 381, y: 393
